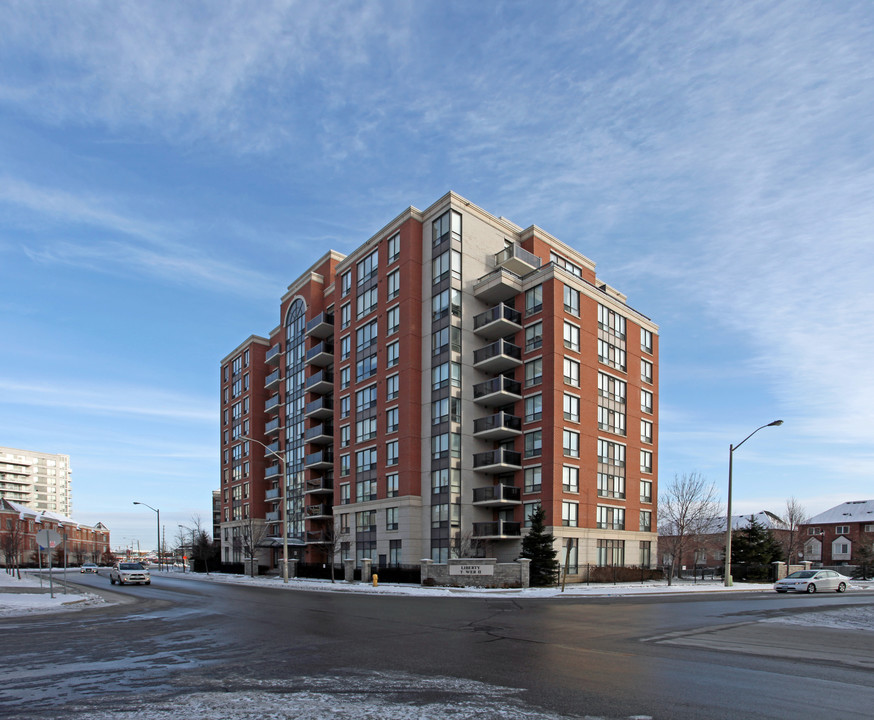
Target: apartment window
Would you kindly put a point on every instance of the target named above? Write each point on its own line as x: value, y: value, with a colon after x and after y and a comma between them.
x: 394, y: 248
x: 391, y: 485
x: 645, y: 553
x: 391, y: 450
x: 646, y: 341
x: 365, y: 430
x: 534, y: 300
x: 533, y: 408
x: 446, y: 374
x: 367, y: 302
x: 533, y: 444
x: 346, y: 283
x: 571, y: 372
x: 345, y: 316
x: 569, y: 514
x: 345, y: 465
x: 645, y: 521
x: 611, y: 321
x: 368, y: 267
x: 646, y: 371
x: 365, y: 490
x: 344, y: 406
x: 446, y: 410
x: 645, y: 431
x: 392, y: 387
x: 366, y: 367
x: 446, y: 480
x: 571, y: 301
x: 611, y: 420
x: 365, y: 398
x: 345, y: 436
x: 571, y: 408
x: 610, y: 354
x: 448, y: 224
x: 366, y: 336
x: 533, y: 479
x: 445, y: 445
x: 611, y: 485
x: 392, y: 353
x: 391, y: 420
x: 645, y: 461
x: 570, y: 479
x: 365, y: 460
x: 533, y: 336
x: 611, y: 388
x: 842, y: 529
x: 571, y: 337
x: 445, y: 265
x: 394, y: 552
x: 394, y: 284
x: 528, y: 509
x: 345, y: 493
x: 391, y: 518
x: 646, y: 491
x: 534, y: 372
x: 345, y: 347
x: 611, y: 518
x: 446, y: 302
x: 570, y: 441
x: 611, y: 453
x: 646, y: 401
x: 440, y: 515
x: 344, y: 523
x: 393, y: 320
x: 365, y: 521
x: 444, y: 339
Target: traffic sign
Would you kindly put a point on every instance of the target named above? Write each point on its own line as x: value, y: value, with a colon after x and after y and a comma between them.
x: 48, y: 538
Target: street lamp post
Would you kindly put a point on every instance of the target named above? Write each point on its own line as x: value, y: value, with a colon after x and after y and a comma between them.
x: 284, y: 505
x: 158, y: 512
x: 731, y: 448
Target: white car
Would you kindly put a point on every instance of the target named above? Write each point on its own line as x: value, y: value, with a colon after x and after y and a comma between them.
x: 129, y: 572
x: 810, y: 581
x: 88, y: 568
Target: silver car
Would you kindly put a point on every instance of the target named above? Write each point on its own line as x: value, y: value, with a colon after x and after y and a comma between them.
x: 810, y: 581
x: 129, y: 572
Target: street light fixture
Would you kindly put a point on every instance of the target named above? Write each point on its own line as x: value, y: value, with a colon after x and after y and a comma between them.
x: 731, y: 448
x: 158, y: 512
x: 284, y: 505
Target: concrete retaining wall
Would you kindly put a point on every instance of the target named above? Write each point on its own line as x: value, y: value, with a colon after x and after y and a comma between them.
x: 477, y: 572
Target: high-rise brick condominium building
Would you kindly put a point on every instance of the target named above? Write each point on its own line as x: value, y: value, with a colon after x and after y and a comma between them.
x: 42, y: 481
x: 423, y: 394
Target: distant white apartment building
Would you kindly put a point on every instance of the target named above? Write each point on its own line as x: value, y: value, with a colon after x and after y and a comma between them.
x: 42, y: 481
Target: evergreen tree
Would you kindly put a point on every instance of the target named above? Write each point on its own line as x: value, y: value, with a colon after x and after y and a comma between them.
x: 537, y: 546
x: 755, y: 547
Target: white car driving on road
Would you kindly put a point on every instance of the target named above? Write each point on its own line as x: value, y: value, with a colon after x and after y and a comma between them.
x: 811, y: 581
x: 129, y: 572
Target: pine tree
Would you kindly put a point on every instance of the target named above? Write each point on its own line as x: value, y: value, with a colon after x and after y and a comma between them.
x: 537, y: 546
x: 755, y: 547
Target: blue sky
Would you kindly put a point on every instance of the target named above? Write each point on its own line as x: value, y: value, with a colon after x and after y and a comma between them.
x: 166, y: 169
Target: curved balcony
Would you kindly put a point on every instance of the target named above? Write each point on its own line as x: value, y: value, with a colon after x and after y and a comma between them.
x: 320, y: 485
x: 497, y: 461
x: 273, y: 355
x: 499, y: 426
x: 321, y: 382
x: 272, y: 471
x: 318, y: 512
x: 497, y: 357
x: 498, y: 530
x: 321, y: 354
x: 321, y: 434
x: 321, y: 460
x: 517, y: 260
x: 497, y: 286
x: 274, y: 426
x: 271, y: 449
x: 497, y: 322
x: 319, y: 409
x: 497, y: 496
x: 497, y: 391
x: 271, y: 382
x: 273, y: 404
x: 321, y: 326
x: 316, y: 537
x: 273, y: 494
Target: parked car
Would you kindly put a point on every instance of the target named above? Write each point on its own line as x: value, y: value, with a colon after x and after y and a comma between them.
x: 811, y: 581
x: 129, y: 572
x: 88, y: 568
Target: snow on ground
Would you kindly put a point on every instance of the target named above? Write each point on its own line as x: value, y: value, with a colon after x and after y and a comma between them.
x: 847, y: 618
x: 23, y: 597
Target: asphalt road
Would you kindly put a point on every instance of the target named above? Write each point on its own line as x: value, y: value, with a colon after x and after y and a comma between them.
x: 186, y: 649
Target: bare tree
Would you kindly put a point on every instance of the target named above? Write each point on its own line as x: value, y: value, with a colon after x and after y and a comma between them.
x: 330, y: 543
x: 688, y: 507
x: 253, y: 532
x: 13, y: 544
x: 465, y: 545
x: 794, y: 517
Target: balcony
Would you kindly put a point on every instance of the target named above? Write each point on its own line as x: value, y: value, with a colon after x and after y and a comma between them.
x: 273, y: 494
x: 271, y: 382
x: 499, y: 426
x: 320, y: 485
x: 497, y: 286
x: 316, y: 537
x: 321, y: 434
x: 271, y: 449
x: 320, y: 409
x: 273, y: 355
x: 273, y: 426
x: 498, y: 322
x: 321, y: 382
x: 321, y: 355
x: 272, y: 471
x: 498, y: 530
x: 497, y: 357
x: 321, y: 460
x: 517, y: 260
x: 498, y: 461
x: 273, y: 516
x: 316, y: 512
x: 497, y: 391
x: 497, y: 496
x: 273, y: 404
x: 321, y: 326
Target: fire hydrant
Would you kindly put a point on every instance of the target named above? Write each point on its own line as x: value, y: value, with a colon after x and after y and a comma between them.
x: 375, y: 579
